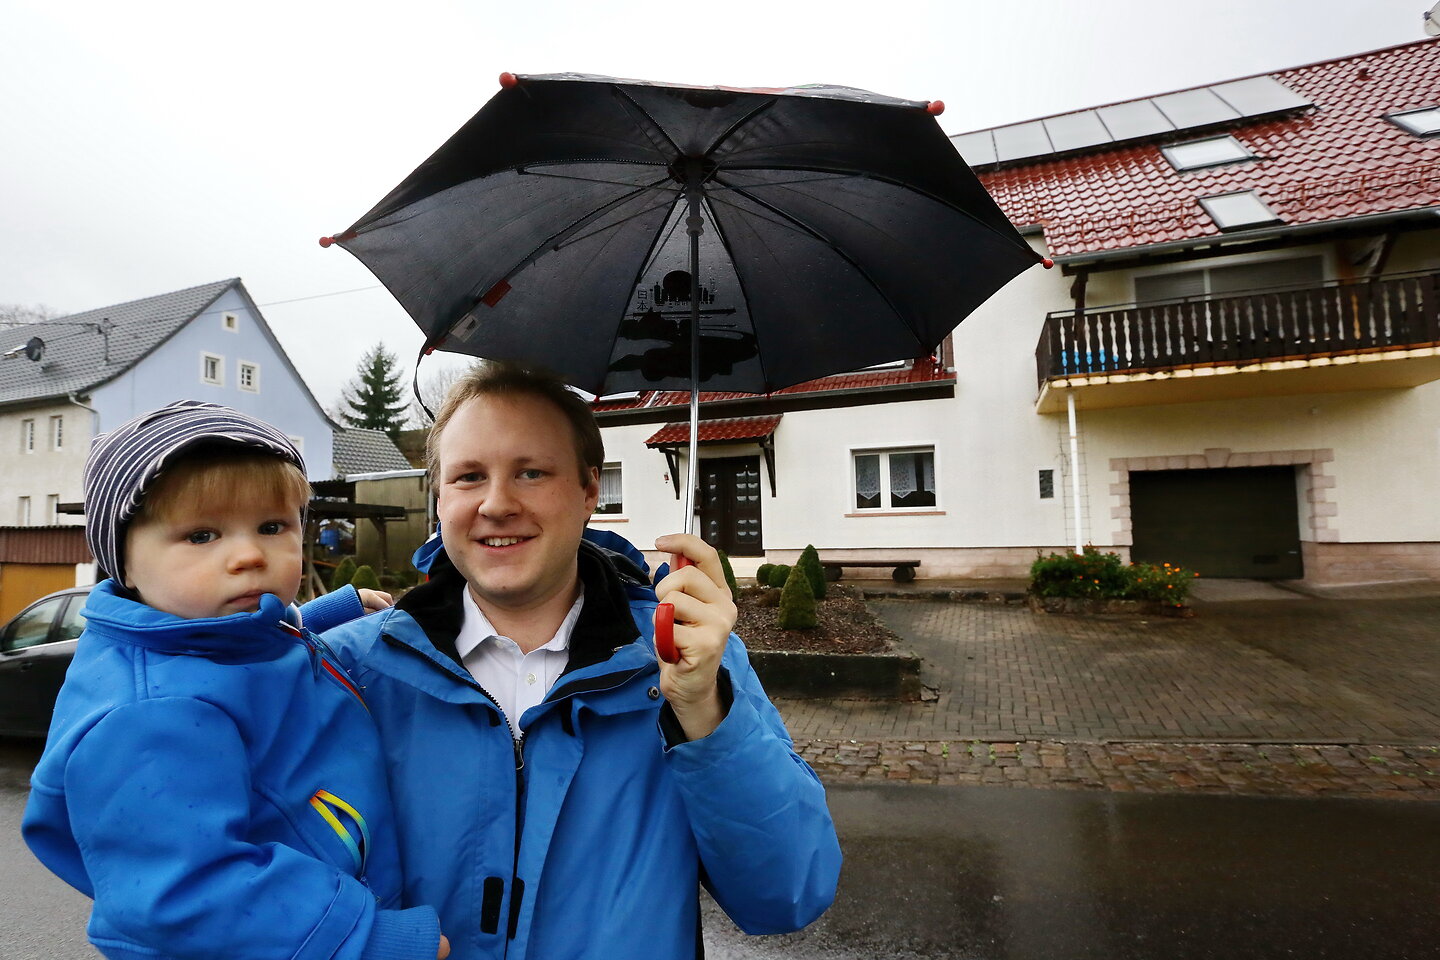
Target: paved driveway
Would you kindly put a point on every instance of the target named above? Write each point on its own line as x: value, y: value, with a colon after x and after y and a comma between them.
x: 1273, y: 671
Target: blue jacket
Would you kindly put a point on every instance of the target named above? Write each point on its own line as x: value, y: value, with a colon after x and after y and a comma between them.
x: 216, y: 786
x: 590, y: 837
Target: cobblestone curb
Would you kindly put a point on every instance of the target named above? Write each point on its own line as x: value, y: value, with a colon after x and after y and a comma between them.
x: 1331, y: 770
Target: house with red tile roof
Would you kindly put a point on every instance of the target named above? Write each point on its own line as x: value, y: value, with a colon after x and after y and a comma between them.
x: 1232, y: 367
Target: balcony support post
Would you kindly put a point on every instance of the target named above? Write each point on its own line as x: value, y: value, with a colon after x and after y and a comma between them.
x: 1075, y: 471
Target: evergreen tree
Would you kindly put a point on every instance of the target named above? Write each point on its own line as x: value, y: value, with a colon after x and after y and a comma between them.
x: 778, y: 575
x: 344, y: 573
x: 729, y: 575
x: 797, y: 603
x: 810, y: 562
x: 365, y: 578
x: 375, y: 397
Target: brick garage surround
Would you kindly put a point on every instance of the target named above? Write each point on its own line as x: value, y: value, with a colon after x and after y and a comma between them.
x: 1318, y: 493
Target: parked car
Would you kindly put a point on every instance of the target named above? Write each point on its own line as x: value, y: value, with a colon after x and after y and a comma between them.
x: 35, y: 651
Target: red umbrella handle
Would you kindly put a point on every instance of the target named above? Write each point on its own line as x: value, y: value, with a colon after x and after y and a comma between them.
x: 665, y: 633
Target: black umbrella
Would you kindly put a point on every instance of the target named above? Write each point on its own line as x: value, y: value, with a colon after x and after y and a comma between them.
x: 594, y: 226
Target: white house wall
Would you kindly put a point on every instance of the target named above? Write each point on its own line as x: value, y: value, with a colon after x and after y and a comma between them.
x: 173, y: 372
x: 44, y: 472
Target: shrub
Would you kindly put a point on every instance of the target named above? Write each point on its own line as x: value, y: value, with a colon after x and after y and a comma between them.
x: 365, y: 578
x: 762, y: 574
x: 810, y: 562
x: 344, y: 573
x: 797, y: 603
x: 779, y: 575
x: 769, y: 597
x: 1101, y: 576
x: 729, y: 575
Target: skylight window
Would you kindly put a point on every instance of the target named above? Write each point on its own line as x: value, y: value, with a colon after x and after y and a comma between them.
x: 1232, y: 211
x: 1209, y: 152
x: 1423, y: 123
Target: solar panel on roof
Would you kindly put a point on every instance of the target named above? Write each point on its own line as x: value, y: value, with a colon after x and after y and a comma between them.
x: 1195, y: 108
x: 976, y: 148
x: 1139, y: 118
x: 1071, y: 131
x: 1259, y: 95
x: 1022, y: 140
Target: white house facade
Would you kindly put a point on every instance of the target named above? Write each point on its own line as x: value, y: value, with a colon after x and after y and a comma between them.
x: 1242, y: 328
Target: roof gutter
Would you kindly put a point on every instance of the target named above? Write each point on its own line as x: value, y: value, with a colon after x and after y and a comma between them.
x: 1240, y: 238
x: 94, y: 414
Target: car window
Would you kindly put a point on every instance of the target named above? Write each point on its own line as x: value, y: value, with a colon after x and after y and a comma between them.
x: 32, y: 626
x: 74, y: 623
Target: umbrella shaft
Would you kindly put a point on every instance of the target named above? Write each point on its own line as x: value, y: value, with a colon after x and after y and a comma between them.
x: 694, y: 227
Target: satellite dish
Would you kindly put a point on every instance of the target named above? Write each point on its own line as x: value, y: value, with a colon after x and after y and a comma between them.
x: 34, y: 349
x: 1432, y: 21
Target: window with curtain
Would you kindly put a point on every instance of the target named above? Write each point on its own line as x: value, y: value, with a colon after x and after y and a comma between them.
x: 895, y: 479
x: 610, y: 497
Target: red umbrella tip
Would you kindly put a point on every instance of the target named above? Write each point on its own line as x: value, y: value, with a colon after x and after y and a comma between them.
x: 326, y: 241
x: 1046, y: 262
x: 508, y: 80
x: 935, y: 107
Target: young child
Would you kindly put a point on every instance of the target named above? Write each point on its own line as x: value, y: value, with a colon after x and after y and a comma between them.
x: 212, y: 777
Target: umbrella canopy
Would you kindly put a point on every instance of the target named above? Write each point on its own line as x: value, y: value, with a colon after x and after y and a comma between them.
x: 836, y: 229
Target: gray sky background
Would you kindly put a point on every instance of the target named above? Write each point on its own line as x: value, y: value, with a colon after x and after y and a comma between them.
x: 150, y: 146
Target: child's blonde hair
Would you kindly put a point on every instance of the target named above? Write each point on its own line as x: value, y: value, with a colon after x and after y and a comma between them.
x: 209, y: 474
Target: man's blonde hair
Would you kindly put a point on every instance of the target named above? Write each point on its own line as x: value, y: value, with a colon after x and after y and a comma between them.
x: 501, y: 378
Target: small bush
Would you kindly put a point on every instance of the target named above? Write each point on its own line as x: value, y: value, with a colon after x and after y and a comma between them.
x: 769, y: 597
x: 344, y: 573
x: 810, y: 562
x: 729, y: 575
x: 797, y: 603
x: 779, y: 575
x: 762, y: 574
x: 365, y: 578
x: 1102, y: 576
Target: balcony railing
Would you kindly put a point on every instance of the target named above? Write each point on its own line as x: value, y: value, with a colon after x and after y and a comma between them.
x: 1338, y: 317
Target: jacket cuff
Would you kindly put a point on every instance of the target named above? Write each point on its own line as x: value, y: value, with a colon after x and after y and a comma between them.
x: 333, y: 609
x: 412, y: 934
x: 670, y: 728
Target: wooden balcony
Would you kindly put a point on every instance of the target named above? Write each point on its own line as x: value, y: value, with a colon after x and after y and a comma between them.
x: 1341, y: 335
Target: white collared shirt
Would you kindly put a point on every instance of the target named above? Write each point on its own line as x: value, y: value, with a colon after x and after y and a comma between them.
x: 517, y: 681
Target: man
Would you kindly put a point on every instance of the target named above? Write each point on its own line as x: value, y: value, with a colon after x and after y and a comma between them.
x: 560, y: 792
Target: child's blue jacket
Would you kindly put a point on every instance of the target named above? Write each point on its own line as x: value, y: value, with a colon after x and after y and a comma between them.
x: 589, y: 838
x: 216, y: 786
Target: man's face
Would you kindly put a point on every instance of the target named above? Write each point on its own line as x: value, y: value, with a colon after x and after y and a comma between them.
x: 212, y: 561
x: 511, y: 504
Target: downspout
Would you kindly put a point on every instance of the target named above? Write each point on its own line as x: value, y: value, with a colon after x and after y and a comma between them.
x: 1075, y: 471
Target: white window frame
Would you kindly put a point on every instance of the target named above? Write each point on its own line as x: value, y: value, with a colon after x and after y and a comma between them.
x: 57, y: 431
x: 27, y: 435
x: 22, y: 512
x: 619, y: 468
x: 884, y: 453
x: 1213, y: 210
x: 52, y: 508
x: 254, y: 368
x: 1428, y: 130
x: 230, y: 322
x: 219, y: 379
x: 1172, y: 152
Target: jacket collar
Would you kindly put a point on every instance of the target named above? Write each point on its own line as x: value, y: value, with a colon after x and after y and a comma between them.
x: 605, y: 623
x: 266, y: 632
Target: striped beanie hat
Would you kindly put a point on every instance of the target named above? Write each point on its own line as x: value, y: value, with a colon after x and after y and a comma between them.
x: 125, y: 462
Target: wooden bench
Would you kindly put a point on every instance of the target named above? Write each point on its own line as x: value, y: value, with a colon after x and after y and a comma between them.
x: 903, y: 571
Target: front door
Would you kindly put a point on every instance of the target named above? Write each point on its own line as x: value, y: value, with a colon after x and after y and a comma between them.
x: 730, y: 505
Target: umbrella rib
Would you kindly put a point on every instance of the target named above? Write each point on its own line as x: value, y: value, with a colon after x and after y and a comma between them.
x: 563, y: 176
x: 810, y: 231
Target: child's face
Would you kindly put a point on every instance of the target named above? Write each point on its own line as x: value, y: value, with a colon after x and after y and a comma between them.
x: 211, y: 561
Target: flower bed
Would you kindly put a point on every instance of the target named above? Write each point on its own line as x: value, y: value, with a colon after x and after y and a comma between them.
x: 1092, y: 581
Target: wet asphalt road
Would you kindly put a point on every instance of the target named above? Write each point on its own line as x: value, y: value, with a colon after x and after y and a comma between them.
x: 992, y: 873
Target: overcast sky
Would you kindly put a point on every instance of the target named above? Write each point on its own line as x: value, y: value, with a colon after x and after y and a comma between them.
x: 150, y: 146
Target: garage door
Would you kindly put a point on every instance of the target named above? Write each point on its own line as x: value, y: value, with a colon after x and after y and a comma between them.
x: 1221, y: 523
x: 23, y: 583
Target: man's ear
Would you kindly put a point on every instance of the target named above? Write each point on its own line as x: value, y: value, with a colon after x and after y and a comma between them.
x: 592, y: 488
